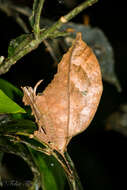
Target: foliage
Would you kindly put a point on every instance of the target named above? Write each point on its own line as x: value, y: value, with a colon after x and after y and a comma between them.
x: 49, y: 166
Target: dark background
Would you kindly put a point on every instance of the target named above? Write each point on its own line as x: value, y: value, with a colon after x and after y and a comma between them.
x: 99, y: 155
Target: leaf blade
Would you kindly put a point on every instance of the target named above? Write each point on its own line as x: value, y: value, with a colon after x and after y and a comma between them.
x: 9, y: 89
x: 52, y: 176
x: 8, y: 106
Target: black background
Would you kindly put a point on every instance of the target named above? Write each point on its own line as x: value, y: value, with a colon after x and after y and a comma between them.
x: 99, y: 155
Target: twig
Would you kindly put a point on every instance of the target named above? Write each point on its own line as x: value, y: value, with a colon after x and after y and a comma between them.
x: 6, y: 7
x: 35, y: 18
x: 21, y: 23
x: 50, y: 49
x: 66, y: 18
x: 69, y: 169
x: 22, y: 10
x: 79, y: 8
x: 15, y: 11
x: 33, y: 43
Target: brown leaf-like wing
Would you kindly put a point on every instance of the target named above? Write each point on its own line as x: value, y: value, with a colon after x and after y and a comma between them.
x: 70, y: 101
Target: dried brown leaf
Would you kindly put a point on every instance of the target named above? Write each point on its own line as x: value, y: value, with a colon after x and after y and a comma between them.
x: 68, y: 104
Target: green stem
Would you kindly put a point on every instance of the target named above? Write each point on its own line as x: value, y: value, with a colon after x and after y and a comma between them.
x: 37, y: 8
x: 34, y: 43
x: 76, y: 184
x: 68, y: 166
x: 68, y: 17
x: 79, y: 8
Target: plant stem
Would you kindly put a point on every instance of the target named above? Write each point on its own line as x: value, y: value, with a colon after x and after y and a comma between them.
x: 67, y: 17
x: 37, y: 8
x: 68, y: 166
x: 79, y: 8
x: 76, y: 184
x: 33, y: 43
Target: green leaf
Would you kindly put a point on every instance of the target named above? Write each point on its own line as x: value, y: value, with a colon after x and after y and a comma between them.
x: 10, y: 90
x: 22, y: 128
x: 18, y: 132
x: 9, y: 106
x: 52, y: 175
x: 17, y: 126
